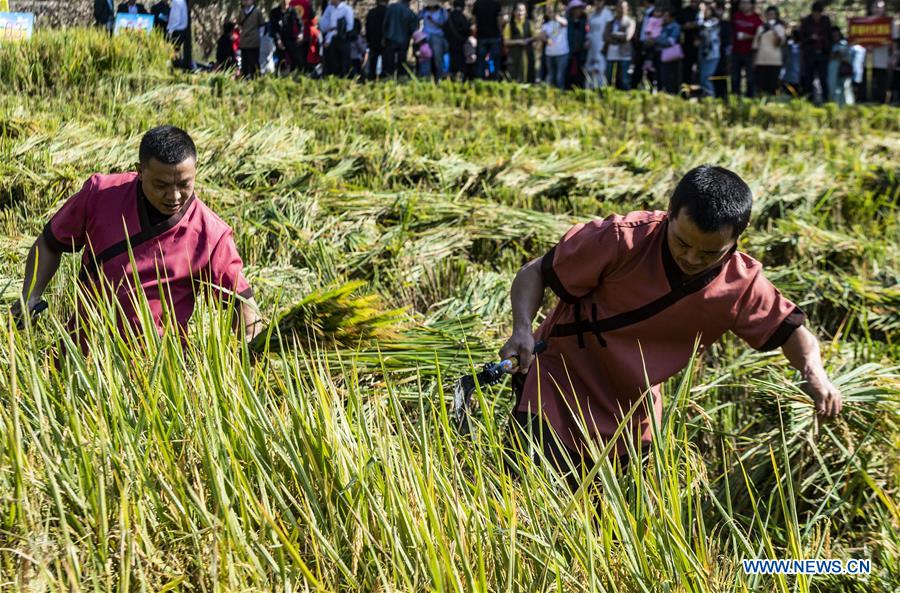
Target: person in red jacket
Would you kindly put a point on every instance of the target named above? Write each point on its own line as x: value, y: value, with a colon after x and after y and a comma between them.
x: 313, y: 58
x: 744, y: 25
x: 305, y: 12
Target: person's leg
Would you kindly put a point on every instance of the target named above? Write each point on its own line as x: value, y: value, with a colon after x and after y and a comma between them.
x: 532, y: 437
x: 879, y: 85
x: 481, y: 61
x: 562, y: 70
x: 822, y: 73
x: 751, y: 79
x: 389, y: 60
x: 439, y: 48
x: 707, y: 68
x: 737, y: 63
x: 623, y: 76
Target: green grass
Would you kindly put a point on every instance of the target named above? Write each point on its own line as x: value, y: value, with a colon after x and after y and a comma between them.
x: 386, y: 223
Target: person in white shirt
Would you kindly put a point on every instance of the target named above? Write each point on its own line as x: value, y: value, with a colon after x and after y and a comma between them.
x: 555, y: 35
x: 596, y: 60
x: 336, y: 25
x: 769, y: 44
x: 179, y: 32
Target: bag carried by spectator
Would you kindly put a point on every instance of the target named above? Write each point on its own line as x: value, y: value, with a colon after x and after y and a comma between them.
x: 672, y: 53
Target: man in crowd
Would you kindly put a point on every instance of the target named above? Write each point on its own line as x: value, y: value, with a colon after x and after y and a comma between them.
x: 179, y: 32
x: 153, y: 218
x: 336, y: 25
x: 458, y: 30
x: 103, y: 14
x: 375, y: 36
x: 488, y: 25
x: 399, y: 24
x: 636, y: 292
x: 744, y: 26
x: 815, y: 39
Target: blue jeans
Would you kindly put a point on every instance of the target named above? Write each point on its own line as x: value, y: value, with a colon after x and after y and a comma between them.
x: 488, y: 47
x: 557, y: 67
x: 438, y: 45
x: 617, y: 74
x: 707, y: 69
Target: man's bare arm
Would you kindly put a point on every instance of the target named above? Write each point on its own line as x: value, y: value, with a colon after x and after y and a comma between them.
x: 526, y: 295
x: 802, y: 351
x: 40, y: 267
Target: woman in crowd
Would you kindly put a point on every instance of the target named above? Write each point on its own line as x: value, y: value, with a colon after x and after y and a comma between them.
x: 671, y: 53
x: 618, y: 35
x: 554, y: 33
x: 518, y: 35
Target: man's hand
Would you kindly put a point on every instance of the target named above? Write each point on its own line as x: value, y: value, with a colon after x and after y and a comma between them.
x: 802, y: 351
x: 33, y: 306
x: 518, y: 349
x: 827, y: 397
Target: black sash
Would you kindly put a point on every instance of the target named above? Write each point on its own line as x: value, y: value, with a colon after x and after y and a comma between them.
x: 599, y: 326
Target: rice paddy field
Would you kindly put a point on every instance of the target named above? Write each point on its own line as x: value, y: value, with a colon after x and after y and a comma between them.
x: 381, y: 227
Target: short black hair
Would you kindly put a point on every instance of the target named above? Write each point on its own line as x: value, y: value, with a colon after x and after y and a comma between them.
x: 168, y: 145
x: 713, y: 197
x: 818, y: 7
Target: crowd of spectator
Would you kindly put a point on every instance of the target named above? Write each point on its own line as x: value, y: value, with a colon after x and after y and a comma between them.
x: 704, y: 48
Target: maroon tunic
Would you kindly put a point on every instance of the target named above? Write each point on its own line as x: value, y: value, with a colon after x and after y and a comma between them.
x: 173, y: 257
x: 605, y: 345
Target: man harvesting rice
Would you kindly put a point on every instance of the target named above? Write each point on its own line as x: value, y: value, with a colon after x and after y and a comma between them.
x: 635, y: 293
x: 177, y: 243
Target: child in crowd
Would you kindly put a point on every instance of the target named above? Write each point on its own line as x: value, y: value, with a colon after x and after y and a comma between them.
x: 423, y: 53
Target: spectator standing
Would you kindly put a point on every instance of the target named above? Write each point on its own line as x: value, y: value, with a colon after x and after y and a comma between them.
x: 708, y: 52
x: 617, y: 38
x: 487, y: 32
x: 644, y: 47
x: 690, y: 29
x: 160, y: 12
x: 671, y: 53
x: 881, y: 59
x: 179, y: 32
x: 723, y: 70
x: 103, y: 14
x: 434, y: 17
x: 399, y: 24
x: 770, y: 40
x: 359, y: 51
x: 131, y: 7
x: 287, y: 30
x: 457, y: 31
x: 595, y: 68
x: 227, y: 46
x: 791, y: 73
x: 840, y: 70
x: 556, y: 46
x: 337, y: 28
x: 252, y: 24
x: 314, y: 48
x: 519, y: 38
x: 815, y: 37
x: 375, y: 37
x: 423, y: 53
x: 745, y: 24
x: 303, y: 8
x: 577, y: 31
